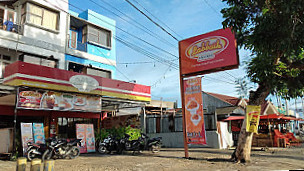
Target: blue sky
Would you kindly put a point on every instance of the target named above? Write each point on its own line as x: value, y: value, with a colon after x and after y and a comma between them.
x: 187, y: 19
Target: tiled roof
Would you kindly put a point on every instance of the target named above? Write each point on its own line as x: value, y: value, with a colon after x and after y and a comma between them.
x: 229, y: 99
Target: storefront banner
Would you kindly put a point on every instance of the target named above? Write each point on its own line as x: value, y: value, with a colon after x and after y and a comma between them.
x: 195, y: 128
x: 38, y: 130
x: 90, y: 139
x: 30, y: 75
x: 26, y: 135
x: 81, y: 134
x: 210, y: 52
x: 252, y: 118
x: 51, y: 100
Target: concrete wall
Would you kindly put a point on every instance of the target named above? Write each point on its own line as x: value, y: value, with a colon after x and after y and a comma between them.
x: 212, y: 102
x: 37, y: 40
x: 97, y: 56
x: 172, y: 139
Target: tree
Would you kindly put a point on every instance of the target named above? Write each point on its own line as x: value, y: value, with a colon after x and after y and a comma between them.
x: 242, y: 87
x: 273, y: 31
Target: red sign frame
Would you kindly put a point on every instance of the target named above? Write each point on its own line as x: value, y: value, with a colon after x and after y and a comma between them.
x: 210, y: 52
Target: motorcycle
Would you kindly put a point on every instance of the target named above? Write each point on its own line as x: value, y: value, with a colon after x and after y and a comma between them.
x: 35, y: 150
x: 153, y: 144
x: 62, y: 149
x: 108, y: 145
x: 141, y: 144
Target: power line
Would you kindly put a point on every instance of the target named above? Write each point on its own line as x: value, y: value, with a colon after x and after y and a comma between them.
x: 158, y: 19
x: 132, y: 35
x: 212, y: 8
x: 142, y: 27
x: 146, y: 53
x: 152, y: 20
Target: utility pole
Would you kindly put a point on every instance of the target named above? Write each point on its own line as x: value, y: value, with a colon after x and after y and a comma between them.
x: 161, y: 114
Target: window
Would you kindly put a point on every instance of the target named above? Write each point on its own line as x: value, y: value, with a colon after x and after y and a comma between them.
x: 41, y: 17
x: 73, y: 41
x: 4, y: 61
x: 97, y: 35
x: 98, y: 72
x: 210, y: 122
x: 88, y: 70
x: 45, y: 61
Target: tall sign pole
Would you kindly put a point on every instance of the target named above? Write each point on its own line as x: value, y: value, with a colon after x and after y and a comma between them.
x: 183, y: 111
x: 207, y: 53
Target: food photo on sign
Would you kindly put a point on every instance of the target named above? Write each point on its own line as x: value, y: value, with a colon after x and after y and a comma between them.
x: 195, y: 128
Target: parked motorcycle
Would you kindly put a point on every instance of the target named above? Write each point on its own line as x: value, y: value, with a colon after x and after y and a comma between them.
x: 108, y: 145
x: 62, y: 149
x: 35, y: 150
x: 141, y: 144
x: 153, y: 144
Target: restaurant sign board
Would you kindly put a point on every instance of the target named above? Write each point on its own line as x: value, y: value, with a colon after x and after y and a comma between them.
x: 52, y: 100
x: 210, y: 52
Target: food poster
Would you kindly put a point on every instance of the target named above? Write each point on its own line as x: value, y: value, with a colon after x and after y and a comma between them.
x: 252, y: 118
x: 29, y: 99
x: 90, y: 139
x: 81, y: 134
x: 26, y: 135
x: 38, y: 131
x: 195, y: 128
x: 51, y: 100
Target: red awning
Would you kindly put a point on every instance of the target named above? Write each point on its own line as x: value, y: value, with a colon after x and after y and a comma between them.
x: 271, y: 116
x: 232, y: 118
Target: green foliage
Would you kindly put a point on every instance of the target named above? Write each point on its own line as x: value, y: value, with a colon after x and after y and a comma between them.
x: 133, y: 132
x: 273, y: 31
x: 118, y: 133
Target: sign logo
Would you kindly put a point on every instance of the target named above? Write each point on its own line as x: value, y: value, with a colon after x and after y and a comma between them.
x: 206, y: 49
x: 84, y: 83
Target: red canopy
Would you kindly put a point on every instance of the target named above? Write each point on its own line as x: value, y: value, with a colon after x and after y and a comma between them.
x: 231, y: 118
x: 271, y: 116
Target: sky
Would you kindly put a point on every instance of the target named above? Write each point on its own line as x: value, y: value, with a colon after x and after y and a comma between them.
x: 184, y: 19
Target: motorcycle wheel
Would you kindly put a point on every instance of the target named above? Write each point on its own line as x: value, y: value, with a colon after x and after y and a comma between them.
x: 74, y: 153
x: 46, y: 155
x: 155, y: 148
x: 102, y: 149
x: 31, y: 155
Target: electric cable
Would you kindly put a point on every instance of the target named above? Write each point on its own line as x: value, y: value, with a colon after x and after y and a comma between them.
x: 152, y: 20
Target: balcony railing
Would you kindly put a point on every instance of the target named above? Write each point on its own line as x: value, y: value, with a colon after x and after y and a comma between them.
x: 74, y: 44
x: 10, y: 26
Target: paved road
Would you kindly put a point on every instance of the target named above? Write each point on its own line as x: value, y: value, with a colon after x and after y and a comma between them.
x: 172, y: 159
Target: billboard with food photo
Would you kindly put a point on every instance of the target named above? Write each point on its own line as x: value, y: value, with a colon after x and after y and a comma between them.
x: 210, y: 52
x: 51, y: 100
x: 195, y: 127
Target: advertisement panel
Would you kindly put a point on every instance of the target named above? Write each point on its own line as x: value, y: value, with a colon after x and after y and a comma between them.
x: 51, y: 100
x: 26, y: 135
x: 252, y: 118
x: 86, y: 133
x: 81, y: 134
x: 90, y: 139
x: 38, y: 131
x: 210, y: 52
x: 195, y: 127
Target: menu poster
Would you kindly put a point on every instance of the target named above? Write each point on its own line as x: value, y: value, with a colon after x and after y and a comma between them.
x: 81, y: 134
x: 51, y: 100
x: 29, y: 99
x: 26, y: 135
x: 90, y: 140
x: 86, y: 133
x: 195, y: 127
x: 38, y: 130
